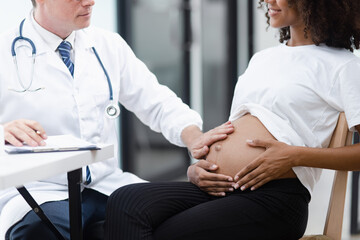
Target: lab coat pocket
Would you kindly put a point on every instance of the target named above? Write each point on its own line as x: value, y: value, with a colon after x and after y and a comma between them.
x: 102, y: 101
x: 91, y: 109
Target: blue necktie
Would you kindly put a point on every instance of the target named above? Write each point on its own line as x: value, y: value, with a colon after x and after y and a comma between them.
x: 64, y: 50
x: 88, y: 175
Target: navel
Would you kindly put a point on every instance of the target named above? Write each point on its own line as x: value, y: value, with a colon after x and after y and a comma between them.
x: 218, y: 147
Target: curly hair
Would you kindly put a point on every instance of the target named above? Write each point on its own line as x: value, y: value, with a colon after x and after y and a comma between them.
x: 335, y: 23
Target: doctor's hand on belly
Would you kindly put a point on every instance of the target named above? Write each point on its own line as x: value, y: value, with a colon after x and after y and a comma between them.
x: 201, y: 173
x: 235, y: 163
x: 198, y: 143
x: 22, y: 131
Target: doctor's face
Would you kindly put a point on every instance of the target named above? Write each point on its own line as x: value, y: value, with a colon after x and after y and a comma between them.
x: 62, y: 17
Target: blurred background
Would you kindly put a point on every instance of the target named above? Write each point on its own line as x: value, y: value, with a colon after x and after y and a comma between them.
x: 198, y: 48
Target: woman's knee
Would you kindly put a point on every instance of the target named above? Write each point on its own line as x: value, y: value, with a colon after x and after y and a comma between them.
x: 128, y: 203
x: 145, y: 202
x: 125, y: 197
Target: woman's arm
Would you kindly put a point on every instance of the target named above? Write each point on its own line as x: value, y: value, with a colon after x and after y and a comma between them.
x: 280, y: 158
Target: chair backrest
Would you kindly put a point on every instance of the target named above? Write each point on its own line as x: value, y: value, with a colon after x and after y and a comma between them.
x: 334, y: 219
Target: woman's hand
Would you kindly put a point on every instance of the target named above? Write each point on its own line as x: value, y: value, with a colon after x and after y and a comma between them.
x: 199, y: 145
x: 277, y: 160
x: 213, y: 183
x: 19, y: 131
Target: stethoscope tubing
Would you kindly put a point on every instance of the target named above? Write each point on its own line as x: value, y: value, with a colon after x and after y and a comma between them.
x: 112, y: 110
x: 111, y: 98
x: 21, y: 37
x: 13, y: 53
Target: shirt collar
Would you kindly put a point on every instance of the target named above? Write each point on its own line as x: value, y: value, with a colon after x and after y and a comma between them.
x: 52, y: 40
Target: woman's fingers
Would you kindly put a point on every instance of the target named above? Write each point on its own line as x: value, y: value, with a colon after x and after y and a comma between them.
x: 246, y: 171
x: 259, y: 143
x: 252, y: 181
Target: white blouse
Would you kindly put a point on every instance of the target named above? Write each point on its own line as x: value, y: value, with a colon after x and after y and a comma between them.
x: 298, y: 93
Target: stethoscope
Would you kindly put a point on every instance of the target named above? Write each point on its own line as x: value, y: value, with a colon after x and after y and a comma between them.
x: 112, y: 110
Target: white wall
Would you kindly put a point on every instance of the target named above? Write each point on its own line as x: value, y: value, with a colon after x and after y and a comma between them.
x: 12, y: 12
x: 105, y: 15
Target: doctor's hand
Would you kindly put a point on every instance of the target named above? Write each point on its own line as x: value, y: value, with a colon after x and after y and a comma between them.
x: 277, y: 160
x: 19, y: 131
x: 214, y: 184
x: 198, y: 143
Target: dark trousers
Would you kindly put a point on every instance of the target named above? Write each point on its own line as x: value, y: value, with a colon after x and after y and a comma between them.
x: 180, y: 210
x: 31, y: 227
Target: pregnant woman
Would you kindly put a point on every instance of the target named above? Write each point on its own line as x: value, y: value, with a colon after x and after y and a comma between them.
x: 256, y: 184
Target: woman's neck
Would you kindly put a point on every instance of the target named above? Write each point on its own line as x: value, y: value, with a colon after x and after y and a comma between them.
x: 298, y: 38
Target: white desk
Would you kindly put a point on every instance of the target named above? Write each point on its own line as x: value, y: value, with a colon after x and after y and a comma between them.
x: 19, y: 169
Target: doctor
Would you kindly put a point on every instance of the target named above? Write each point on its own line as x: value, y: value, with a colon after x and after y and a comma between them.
x: 78, y: 72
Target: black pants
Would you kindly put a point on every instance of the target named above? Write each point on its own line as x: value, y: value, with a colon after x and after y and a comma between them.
x: 180, y: 210
x: 32, y: 228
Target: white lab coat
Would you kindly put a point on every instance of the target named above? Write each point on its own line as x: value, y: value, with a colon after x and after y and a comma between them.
x: 76, y: 105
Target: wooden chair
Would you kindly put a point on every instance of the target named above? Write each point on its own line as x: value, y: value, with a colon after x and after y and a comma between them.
x: 334, y: 219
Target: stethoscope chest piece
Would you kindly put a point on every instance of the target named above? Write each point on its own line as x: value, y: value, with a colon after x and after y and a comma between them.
x: 112, y: 110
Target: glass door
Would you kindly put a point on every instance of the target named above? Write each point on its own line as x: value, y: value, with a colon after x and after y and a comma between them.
x: 191, y: 46
x: 155, y: 31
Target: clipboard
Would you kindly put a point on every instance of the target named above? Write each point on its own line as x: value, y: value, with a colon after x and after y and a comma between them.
x: 58, y: 143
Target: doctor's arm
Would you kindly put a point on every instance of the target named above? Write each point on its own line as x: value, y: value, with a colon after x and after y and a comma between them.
x: 159, y: 108
x: 22, y: 130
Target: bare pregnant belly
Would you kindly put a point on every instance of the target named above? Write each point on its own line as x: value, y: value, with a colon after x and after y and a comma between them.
x: 233, y: 153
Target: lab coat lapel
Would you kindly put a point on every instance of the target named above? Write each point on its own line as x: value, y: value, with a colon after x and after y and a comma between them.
x: 42, y: 49
x: 83, y: 45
